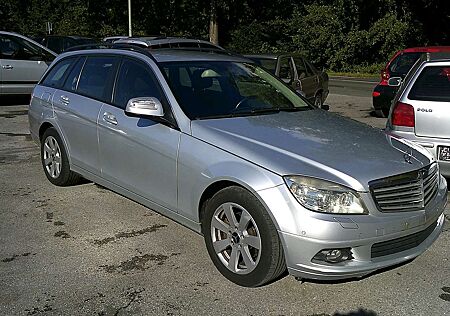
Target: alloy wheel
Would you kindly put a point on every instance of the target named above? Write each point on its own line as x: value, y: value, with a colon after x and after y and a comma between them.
x: 52, y: 157
x: 236, y: 238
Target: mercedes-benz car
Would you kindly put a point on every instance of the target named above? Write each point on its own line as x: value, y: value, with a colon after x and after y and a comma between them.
x: 220, y: 145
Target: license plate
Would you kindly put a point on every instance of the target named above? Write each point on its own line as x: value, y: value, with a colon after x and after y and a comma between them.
x: 444, y: 153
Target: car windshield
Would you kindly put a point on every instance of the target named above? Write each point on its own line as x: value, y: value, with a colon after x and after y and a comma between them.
x: 213, y: 89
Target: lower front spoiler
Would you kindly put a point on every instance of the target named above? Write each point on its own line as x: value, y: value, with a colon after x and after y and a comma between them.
x: 353, y: 268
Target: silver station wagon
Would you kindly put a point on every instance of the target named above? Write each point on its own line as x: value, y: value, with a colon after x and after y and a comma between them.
x: 218, y: 144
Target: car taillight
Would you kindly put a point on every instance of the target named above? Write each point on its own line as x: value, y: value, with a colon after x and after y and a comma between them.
x: 403, y: 115
x: 385, y: 75
x: 376, y: 94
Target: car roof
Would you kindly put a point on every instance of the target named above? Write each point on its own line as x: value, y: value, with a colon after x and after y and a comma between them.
x: 426, y: 49
x: 273, y: 56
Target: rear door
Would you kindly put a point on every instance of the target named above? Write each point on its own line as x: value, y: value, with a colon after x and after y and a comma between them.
x: 22, y: 64
x: 77, y: 106
x: 308, y: 79
x: 430, y: 96
x: 139, y: 153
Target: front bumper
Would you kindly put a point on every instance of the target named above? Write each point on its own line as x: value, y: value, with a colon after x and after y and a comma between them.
x: 304, y: 233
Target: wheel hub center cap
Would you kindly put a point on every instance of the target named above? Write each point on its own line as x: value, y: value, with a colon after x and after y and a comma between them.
x: 235, y: 238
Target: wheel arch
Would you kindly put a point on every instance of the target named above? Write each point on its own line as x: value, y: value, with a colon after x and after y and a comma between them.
x: 46, y: 125
x: 221, y: 184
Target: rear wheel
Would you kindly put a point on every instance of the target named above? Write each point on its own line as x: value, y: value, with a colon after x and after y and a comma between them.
x: 241, y: 238
x: 54, y: 160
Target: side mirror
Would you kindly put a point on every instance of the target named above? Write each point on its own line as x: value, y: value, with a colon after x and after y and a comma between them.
x: 394, y: 82
x: 325, y: 107
x: 144, y: 106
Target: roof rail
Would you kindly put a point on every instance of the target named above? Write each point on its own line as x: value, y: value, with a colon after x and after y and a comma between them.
x: 123, y: 46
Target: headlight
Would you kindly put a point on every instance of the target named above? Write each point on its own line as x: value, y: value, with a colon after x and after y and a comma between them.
x: 325, y: 197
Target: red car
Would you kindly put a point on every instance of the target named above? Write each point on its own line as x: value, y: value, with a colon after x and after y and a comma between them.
x: 398, y: 66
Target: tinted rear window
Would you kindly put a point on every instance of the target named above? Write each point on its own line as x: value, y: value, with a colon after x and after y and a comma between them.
x: 403, y: 63
x: 433, y: 84
x: 269, y: 64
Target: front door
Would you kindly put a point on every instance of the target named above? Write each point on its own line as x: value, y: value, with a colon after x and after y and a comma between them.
x: 22, y: 64
x: 138, y: 153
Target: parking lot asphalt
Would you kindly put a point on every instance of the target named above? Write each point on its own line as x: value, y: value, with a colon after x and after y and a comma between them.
x: 85, y: 250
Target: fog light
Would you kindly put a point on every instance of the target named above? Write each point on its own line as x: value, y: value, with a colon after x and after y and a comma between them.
x: 334, y: 255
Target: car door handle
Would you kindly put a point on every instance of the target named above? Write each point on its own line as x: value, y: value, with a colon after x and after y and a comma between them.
x: 7, y: 67
x: 109, y: 118
x: 65, y: 99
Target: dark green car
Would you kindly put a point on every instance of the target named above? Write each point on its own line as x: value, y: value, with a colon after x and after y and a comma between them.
x: 296, y: 71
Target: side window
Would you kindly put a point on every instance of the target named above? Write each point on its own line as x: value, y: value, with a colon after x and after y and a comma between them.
x: 72, y: 79
x: 97, y: 76
x: 135, y: 79
x: 55, y: 44
x: 286, y: 69
x: 301, y: 69
x: 16, y: 48
x: 55, y: 76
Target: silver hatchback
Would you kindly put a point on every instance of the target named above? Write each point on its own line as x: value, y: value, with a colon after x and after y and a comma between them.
x: 421, y: 109
x: 218, y: 144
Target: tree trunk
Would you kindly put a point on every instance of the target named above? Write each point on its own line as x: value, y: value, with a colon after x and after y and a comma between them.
x: 213, y: 24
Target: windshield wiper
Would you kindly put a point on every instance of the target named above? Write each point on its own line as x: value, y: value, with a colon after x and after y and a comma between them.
x: 305, y: 108
x: 252, y: 112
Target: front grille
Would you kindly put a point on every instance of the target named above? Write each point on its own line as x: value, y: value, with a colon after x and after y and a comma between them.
x: 401, y: 244
x: 410, y: 191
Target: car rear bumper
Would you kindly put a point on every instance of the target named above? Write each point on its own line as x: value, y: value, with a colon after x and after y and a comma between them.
x: 431, y: 144
x: 304, y: 234
x: 385, y: 97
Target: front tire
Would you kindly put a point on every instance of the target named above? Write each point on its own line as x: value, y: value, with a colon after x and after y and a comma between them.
x: 318, y: 100
x: 55, y: 161
x: 241, y: 238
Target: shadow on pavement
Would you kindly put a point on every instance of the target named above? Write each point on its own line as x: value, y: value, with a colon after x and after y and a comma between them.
x: 6, y: 100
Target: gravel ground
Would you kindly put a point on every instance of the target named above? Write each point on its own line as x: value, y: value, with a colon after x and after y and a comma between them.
x: 84, y: 250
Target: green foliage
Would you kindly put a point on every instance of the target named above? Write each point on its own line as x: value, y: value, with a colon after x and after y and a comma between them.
x: 319, y: 32
x: 342, y: 35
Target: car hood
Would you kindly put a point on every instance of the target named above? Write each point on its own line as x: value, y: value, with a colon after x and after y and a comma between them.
x: 314, y: 143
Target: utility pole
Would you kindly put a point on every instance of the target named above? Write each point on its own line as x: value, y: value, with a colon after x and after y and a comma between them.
x: 129, y: 18
x: 213, y: 23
